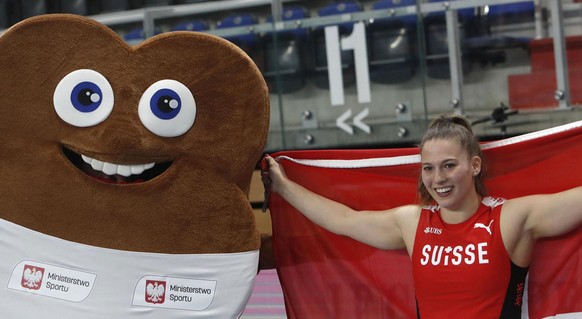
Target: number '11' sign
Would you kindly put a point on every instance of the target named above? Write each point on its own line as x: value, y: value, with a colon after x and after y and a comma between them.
x: 356, y: 41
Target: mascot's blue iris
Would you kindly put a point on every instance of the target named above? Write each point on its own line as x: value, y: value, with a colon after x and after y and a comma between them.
x: 165, y: 104
x: 86, y: 97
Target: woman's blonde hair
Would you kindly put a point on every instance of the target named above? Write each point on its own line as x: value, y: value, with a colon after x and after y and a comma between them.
x: 448, y: 127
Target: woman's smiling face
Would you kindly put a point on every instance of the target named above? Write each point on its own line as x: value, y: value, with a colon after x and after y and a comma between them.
x: 447, y: 172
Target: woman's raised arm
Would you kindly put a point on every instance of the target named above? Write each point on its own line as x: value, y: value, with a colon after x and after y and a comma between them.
x: 391, y: 229
x: 529, y: 218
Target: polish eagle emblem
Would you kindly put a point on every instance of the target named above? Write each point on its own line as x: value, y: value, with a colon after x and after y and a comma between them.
x: 155, y: 291
x: 32, y: 277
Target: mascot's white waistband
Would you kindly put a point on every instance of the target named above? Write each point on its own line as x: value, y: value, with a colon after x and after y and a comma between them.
x: 47, y: 277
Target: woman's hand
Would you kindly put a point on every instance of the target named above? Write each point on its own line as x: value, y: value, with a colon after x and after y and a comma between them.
x: 274, y: 177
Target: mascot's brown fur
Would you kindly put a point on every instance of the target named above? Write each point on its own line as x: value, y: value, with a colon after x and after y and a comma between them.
x: 195, y: 200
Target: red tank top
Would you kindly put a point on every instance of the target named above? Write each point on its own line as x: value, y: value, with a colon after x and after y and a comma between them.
x: 463, y: 270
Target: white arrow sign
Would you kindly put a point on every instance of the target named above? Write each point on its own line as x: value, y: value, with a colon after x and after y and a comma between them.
x: 358, y: 121
x: 341, y: 121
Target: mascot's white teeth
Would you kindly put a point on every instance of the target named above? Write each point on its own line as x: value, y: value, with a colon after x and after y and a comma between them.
x: 116, y: 169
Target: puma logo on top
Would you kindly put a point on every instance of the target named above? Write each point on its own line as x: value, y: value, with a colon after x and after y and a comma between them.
x: 487, y: 228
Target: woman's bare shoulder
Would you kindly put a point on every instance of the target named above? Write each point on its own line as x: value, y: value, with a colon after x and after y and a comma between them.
x: 407, y: 218
x: 408, y: 213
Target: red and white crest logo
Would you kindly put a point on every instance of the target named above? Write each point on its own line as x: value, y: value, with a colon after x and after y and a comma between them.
x: 155, y: 291
x: 32, y: 277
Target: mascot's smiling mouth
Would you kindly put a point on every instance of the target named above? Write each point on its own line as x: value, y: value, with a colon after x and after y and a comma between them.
x: 115, y: 173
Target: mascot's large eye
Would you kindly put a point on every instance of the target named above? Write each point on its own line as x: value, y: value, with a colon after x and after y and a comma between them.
x: 167, y: 108
x: 83, y: 98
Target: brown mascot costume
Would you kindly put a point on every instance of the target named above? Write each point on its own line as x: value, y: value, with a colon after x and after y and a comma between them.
x: 125, y: 173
